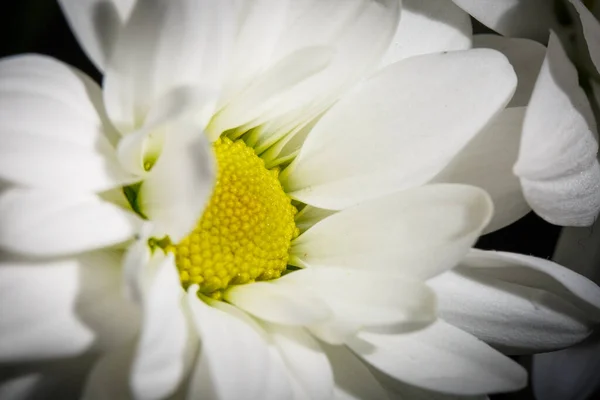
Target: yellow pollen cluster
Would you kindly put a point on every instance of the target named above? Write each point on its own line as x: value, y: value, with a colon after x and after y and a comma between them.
x: 246, y: 230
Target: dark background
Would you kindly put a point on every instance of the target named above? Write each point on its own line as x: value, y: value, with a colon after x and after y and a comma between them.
x: 38, y: 26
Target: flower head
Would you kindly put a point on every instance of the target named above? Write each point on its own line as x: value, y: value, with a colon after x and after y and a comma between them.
x: 272, y: 192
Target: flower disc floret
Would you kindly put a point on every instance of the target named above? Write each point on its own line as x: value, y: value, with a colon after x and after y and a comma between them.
x: 245, y: 232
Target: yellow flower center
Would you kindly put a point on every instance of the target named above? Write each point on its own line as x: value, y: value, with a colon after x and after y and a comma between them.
x: 247, y: 227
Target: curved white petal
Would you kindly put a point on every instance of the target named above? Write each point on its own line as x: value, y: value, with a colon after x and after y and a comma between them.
x: 234, y: 361
x: 441, y: 358
x: 109, y: 376
x: 356, y: 33
x: 334, y: 331
x: 131, y: 152
x: 255, y: 42
x: 487, y: 162
x: 518, y: 303
x: 353, y: 380
x: 279, y: 304
x: 278, y: 376
x: 138, y: 268
x: 97, y: 24
x: 591, y: 31
x: 166, y: 346
x: 383, y: 137
x: 557, y: 163
x: 52, y: 223
x: 266, y: 92
x: 542, y: 274
x: 174, y: 114
x: 531, y: 19
x: 359, y: 33
x: 52, y: 128
x: 526, y: 57
x: 419, y: 232
x: 62, y: 308
x: 163, y: 46
x: 365, y: 297
x: 429, y: 27
x: 176, y: 190
x: 305, y: 360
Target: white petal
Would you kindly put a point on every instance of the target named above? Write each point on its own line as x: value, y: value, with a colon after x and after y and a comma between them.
x: 360, y: 33
x: 260, y: 25
x: 487, y: 162
x: 235, y: 361
x: 353, y: 380
x: 140, y: 266
x: 277, y: 377
x: 441, y: 358
x: 347, y: 20
x: 512, y: 318
x: 531, y: 19
x: 62, y: 308
x: 51, y: 223
x: 591, y: 31
x: 418, y: 232
x: 138, y: 269
x: 52, y: 127
x: 366, y: 297
x: 176, y: 190
x: 131, y: 152
x: 542, y: 274
x: 429, y: 27
x: 109, y: 377
x: 166, y: 45
x: 97, y: 24
x: 356, y: 32
x: 526, y: 56
x: 557, y: 161
x: 173, y: 115
x: 568, y: 374
x: 382, y: 137
x: 266, y: 92
x: 305, y: 360
x: 279, y: 304
x: 334, y: 331
x: 518, y: 303
x: 166, y: 346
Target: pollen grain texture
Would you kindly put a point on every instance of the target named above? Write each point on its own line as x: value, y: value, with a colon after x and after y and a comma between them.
x: 245, y: 232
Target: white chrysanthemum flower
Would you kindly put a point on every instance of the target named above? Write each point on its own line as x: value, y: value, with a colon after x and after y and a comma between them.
x: 571, y: 152
x: 255, y: 175
x: 560, y: 178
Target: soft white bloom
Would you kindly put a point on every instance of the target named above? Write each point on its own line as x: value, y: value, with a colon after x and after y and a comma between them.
x: 558, y: 163
x: 571, y: 153
x: 369, y: 291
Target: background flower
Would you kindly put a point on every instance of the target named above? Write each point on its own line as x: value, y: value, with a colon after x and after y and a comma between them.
x: 571, y: 373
